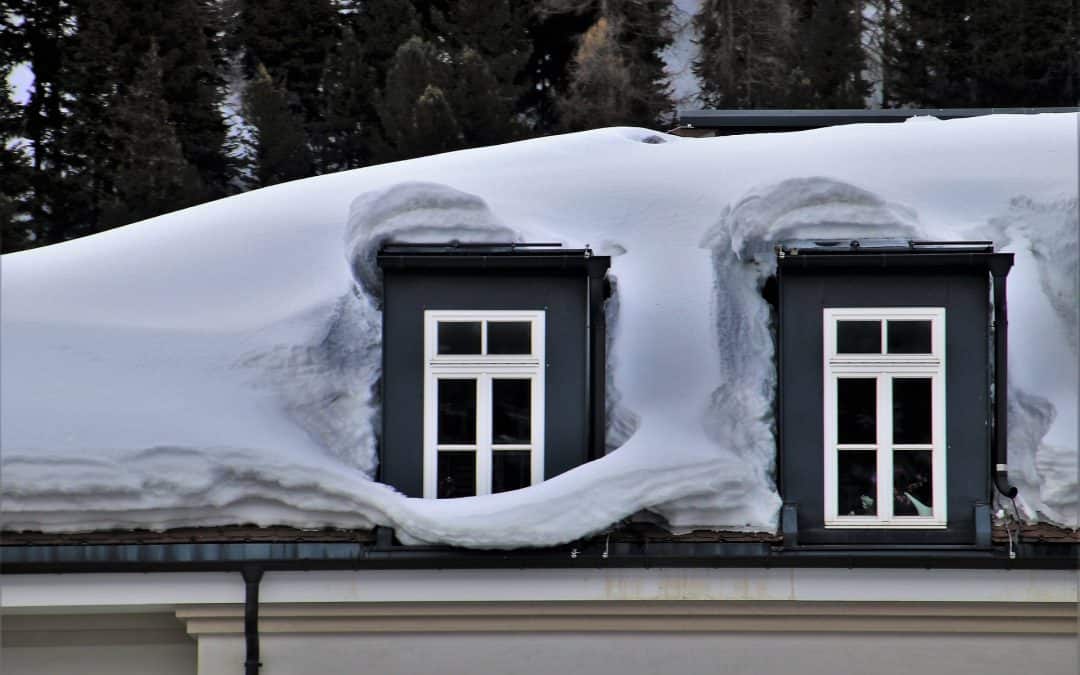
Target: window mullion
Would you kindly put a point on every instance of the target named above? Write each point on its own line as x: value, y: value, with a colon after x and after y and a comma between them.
x: 483, y: 434
x: 884, y: 439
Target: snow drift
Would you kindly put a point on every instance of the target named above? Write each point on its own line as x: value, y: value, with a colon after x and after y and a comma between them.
x: 220, y: 364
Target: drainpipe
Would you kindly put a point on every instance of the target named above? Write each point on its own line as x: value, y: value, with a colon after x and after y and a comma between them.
x: 999, y: 268
x: 252, y: 577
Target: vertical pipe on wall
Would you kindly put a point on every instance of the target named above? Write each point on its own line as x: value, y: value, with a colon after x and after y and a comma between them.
x: 999, y: 268
x: 252, y: 577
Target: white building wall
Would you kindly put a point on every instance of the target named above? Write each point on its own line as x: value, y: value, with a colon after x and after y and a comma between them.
x: 627, y: 622
x: 96, y: 644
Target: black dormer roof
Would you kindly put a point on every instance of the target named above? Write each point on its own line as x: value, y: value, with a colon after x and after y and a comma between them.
x: 509, y: 256
x: 879, y: 252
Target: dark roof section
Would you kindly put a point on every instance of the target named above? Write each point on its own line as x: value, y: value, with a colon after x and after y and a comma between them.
x: 631, y: 545
x: 879, y: 252
x: 509, y: 256
x: 791, y: 120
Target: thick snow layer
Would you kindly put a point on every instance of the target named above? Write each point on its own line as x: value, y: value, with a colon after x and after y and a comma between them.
x: 220, y: 364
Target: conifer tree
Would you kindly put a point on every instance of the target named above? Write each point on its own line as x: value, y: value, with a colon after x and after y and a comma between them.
x: 492, y: 50
x: 346, y: 137
x: 636, y: 31
x: 382, y: 26
x: 747, y: 53
x: 599, y: 91
x: 16, y: 230
x: 150, y: 175
x: 481, y: 105
x: 929, y: 55
x: 983, y: 53
x: 554, y: 35
x: 413, y: 100
x: 291, y: 40
x: 281, y: 149
x: 830, y: 57
x: 193, y: 60
x: 40, y: 40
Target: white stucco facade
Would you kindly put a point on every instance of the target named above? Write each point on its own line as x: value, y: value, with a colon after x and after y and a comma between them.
x: 543, y: 621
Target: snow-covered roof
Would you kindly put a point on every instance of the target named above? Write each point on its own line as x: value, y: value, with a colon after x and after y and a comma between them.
x: 217, y: 365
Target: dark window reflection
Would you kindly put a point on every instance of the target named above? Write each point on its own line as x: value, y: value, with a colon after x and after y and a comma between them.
x: 909, y: 337
x: 511, y: 411
x: 459, y: 337
x: 457, y: 474
x: 510, y: 470
x: 856, y: 493
x: 457, y: 412
x: 509, y: 337
x: 856, y: 410
x: 858, y: 337
x: 911, y: 410
x: 912, y: 483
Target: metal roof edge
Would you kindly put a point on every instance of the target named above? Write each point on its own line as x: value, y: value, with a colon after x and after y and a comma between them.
x: 705, y: 118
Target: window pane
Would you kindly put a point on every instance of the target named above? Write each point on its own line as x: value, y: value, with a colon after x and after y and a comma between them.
x: 856, y: 402
x: 509, y: 337
x: 511, y: 414
x: 912, y: 482
x: 909, y: 337
x: 856, y: 483
x: 457, y: 412
x: 911, y: 410
x: 459, y: 337
x: 510, y: 470
x: 858, y: 337
x: 457, y: 474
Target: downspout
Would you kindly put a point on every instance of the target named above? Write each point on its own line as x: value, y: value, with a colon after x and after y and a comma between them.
x: 252, y: 577
x: 999, y: 268
x: 590, y: 451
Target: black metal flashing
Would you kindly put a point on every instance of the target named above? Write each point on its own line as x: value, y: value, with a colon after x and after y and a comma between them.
x: 796, y: 259
x: 813, y: 119
x: 505, y: 257
x: 597, y: 552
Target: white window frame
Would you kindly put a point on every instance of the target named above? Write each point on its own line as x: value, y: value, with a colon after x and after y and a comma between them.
x: 483, y: 368
x: 884, y: 368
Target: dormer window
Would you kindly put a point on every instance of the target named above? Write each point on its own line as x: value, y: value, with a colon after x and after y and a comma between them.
x: 493, y: 365
x: 483, y: 401
x: 884, y: 417
x: 887, y: 419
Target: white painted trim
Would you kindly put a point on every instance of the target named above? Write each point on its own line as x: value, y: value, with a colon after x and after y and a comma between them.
x: 646, y: 617
x: 884, y: 368
x: 119, y: 591
x: 483, y: 368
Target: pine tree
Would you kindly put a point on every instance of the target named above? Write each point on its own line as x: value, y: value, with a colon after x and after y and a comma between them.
x: 985, y: 53
x: 382, y: 26
x: 747, y: 54
x: 491, y: 49
x: 151, y: 174
x: 644, y: 32
x: 291, y: 40
x: 637, y: 31
x: 41, y: 40
x: 554, y: 35
x: 599, y: 92
x: 412, y: 101
x: 480, y: 103
x: 281, y: 148
x: 16, y: 227
x: 1025, y: 52
x: 191, y: 56
x: 929, y: 54
x: 830, y: 55
x: 346, y: 137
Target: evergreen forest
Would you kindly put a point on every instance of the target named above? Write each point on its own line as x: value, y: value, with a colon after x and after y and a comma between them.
x: 141, y: 107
